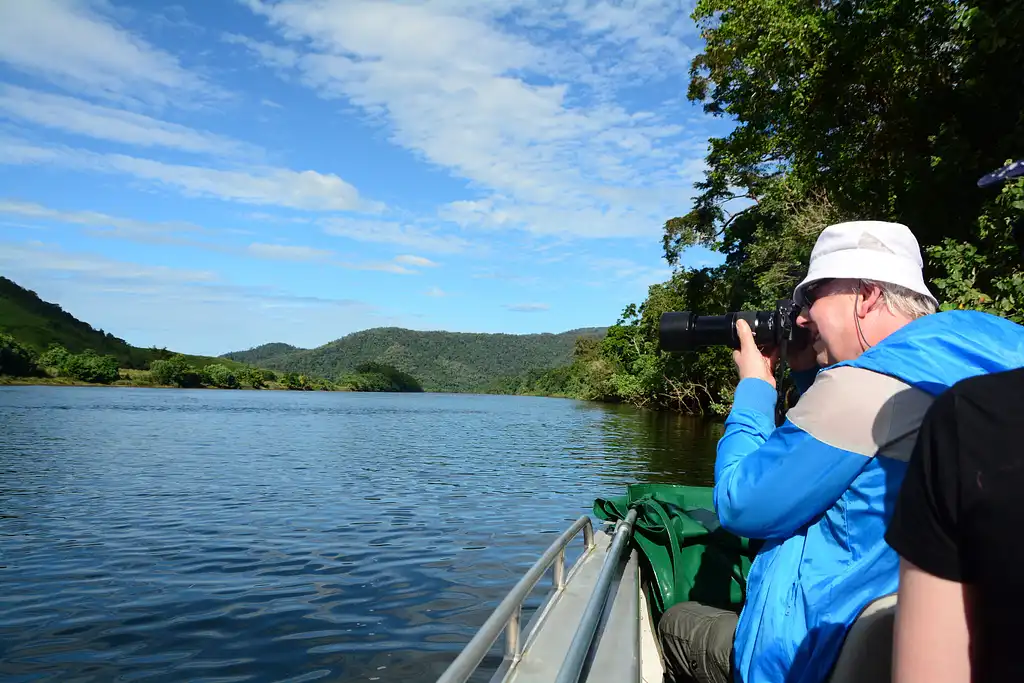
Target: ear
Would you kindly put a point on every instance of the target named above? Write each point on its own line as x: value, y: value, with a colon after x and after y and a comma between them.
x: 870, y: 297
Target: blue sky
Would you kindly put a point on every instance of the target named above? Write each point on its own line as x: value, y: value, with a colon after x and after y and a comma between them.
x: 210, y: 175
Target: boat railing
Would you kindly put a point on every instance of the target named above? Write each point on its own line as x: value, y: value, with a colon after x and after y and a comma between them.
x: 508, y: 614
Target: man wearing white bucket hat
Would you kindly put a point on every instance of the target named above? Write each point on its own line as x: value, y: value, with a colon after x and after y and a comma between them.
x: 820, y: 487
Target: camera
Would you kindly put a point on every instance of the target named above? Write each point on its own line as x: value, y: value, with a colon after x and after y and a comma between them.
x: 682, y: 331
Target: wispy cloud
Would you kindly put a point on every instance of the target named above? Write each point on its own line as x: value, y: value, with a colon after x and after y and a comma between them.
x: 95, y: 219
x: 283, y: 252
x: 185, y: 234
x: 418, y: 261
x: 72, y: 44
x: 436, y: 291
x: 40, y: 256
x: 79, y: 117
x: 531, y: 126
x: 390, y: 232
x: 527, y: 308
x: 283, y: 187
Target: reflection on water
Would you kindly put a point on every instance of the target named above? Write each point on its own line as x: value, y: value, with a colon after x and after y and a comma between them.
x: 268, y: 536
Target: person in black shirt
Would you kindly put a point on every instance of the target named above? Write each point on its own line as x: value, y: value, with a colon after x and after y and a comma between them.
x: 957, y: 526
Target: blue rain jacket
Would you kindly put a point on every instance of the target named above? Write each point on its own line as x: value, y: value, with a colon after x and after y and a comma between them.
x: 824, y: 509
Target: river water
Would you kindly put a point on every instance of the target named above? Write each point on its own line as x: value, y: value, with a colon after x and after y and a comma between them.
x: 169, y: 535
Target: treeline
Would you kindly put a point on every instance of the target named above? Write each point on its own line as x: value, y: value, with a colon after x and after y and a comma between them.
x: 441, y: 361
x: 19, y: 360
x: 860, y: 109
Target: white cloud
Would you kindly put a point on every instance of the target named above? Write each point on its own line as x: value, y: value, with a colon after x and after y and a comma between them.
x: 94, y: 219
x: 69, y: 42
x: 389, y: 232
x: 271, y: 186
x: 527, y: 308
x: 42, y: 257
x: 436, y: 291
x: 530, y: 125
x: 183, y: 233
x: 282, y: 252
x: 419, y: 261
x: 76, y: 116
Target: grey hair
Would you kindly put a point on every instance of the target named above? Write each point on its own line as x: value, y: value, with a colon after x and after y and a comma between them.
x: 903, y: 301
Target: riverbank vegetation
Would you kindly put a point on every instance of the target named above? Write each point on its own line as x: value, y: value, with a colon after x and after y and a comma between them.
x: 57, y: 366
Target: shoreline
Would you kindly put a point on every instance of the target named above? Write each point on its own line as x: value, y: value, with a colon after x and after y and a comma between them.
x: 8, y: 381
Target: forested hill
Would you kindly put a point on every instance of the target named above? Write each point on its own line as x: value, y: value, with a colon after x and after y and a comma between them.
x: 442, y: 361
x: 39, y: 324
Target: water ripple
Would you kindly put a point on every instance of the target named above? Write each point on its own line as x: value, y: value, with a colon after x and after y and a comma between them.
x: 152, y: 535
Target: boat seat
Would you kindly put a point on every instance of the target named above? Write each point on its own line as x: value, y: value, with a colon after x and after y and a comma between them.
x: 866, y: 656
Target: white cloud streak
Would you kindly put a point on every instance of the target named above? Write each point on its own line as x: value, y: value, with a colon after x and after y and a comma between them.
x: 527, y: 308
x: 76, y: 116
x: 71, y: 44
x: 283, y: 252
x: 308, y: 190
x: 418, y: 261
x: 390, y: 232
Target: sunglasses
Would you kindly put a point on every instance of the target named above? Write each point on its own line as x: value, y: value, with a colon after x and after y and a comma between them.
x: 813, y: 292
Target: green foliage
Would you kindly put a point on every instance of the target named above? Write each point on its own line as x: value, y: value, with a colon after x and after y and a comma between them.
x: 296, y: 382
x: 256, y: 378
x: 373, y: 376
x: 89, y: 366
x: 15, y: 359
x: 218, y: 375
x: 55, y: 357
x: 440, y: 361
x: 175, y: 371
x: 986, y: 273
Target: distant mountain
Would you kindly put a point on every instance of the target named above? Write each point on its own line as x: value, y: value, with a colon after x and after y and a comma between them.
x: 259, y: 355
x: 441, y: 361
x: 38, y: 324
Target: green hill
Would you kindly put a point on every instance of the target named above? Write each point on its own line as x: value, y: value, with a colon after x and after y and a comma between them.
x: 441, y: 361
x: 38, y: 324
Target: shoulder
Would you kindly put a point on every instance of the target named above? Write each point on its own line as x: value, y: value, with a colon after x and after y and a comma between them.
x: 858, y: 409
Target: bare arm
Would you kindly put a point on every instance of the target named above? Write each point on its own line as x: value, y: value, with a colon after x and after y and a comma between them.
x: 931, y: 640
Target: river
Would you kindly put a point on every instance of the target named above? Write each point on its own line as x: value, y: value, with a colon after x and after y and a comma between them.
x: 168, y: 535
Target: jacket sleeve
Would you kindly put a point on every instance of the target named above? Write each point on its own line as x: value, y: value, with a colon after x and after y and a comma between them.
x: 770, y: 482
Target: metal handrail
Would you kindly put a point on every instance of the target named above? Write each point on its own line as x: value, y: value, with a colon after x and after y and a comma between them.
x: 576, y: 656
x: 507, y: 614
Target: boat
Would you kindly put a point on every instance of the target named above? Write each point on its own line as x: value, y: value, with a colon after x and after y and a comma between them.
x: 595, y: 623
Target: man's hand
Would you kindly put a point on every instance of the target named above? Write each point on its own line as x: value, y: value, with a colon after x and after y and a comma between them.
x: 750, y: 362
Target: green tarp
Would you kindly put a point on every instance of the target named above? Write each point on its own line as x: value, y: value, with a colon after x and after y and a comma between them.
x: 684, y: 551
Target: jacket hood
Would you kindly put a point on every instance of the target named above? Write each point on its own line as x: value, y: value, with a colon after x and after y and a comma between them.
x: 936, y: 351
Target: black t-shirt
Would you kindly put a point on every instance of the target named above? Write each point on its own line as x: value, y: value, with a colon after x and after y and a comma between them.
x: 960, y: 512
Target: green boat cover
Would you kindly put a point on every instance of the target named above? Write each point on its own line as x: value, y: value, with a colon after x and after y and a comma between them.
x: 687, y: 555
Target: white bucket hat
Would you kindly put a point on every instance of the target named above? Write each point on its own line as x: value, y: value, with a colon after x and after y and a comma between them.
x: 868, y: 250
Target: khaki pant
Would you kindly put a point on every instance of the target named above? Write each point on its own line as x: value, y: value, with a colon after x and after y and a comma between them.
x: 697, y: 643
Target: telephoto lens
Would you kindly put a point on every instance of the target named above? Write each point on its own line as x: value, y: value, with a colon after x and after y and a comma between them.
x: 685, y: 330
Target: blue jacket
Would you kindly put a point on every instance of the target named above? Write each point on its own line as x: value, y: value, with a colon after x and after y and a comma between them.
x: 821, y: 492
